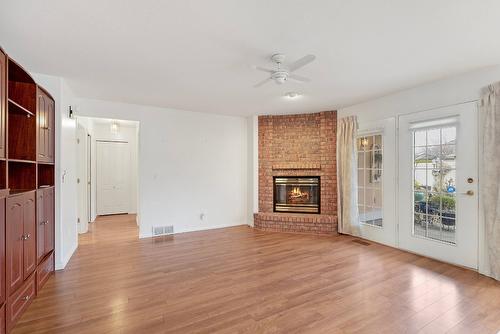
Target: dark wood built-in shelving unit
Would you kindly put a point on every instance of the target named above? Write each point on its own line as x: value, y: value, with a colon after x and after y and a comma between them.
x: 27, y: 207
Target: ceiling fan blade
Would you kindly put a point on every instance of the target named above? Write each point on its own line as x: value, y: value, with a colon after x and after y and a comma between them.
x: 298, y: 78
x: 301, y: 62
x: 263, y: 69
x: 262, y: 83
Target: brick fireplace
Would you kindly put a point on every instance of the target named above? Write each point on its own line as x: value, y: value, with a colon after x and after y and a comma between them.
x: 299, y: 148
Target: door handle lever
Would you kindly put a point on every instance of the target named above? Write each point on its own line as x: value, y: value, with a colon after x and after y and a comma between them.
x: 468, y: 193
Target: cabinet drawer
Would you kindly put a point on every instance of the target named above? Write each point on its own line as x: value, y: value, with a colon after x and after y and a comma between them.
x: 45, y: 268
x: 19, y: 301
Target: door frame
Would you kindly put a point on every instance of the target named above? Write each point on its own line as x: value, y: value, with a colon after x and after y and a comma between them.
x: 429, y: 115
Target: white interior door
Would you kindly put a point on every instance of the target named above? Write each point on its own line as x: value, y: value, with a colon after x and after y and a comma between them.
x: 113, y: 160
x: 81, y: 169
x: 438, y: 202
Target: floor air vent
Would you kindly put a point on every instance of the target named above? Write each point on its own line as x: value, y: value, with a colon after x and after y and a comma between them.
x: 162, y: 230
x: 361, y: 242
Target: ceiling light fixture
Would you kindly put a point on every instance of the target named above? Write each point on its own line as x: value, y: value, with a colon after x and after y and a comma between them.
x: 292, y: 95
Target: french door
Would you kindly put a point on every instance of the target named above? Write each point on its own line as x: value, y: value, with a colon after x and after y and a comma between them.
x: 437, y: 191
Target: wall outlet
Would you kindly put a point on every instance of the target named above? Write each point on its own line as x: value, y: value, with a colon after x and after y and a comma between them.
x: 202, y: 216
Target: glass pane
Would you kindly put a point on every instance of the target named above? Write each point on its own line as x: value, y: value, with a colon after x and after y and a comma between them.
x: 377, y: 159
x: 361, y: 177
x: 376, y: 178
x: 377, y: 198
x: 420, y: 157
x: 369, y: 196
x: 361, y: 160
x: 420, y: 181
x: 361, y: 196
x: 449, y: 136
x: 434, y: 184
x: 420, y: 201
x: 433, y: 137
x: 370, y: 158
x: 420, y: 138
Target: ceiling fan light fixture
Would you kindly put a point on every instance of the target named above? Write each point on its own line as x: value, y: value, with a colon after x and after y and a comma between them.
x: 292, y: 95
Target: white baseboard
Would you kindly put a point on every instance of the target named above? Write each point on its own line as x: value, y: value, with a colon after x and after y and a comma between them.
x: 64, y: 261
x: 150, y: 235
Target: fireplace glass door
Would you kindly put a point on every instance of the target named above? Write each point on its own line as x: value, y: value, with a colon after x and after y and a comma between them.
x: 296, y: 194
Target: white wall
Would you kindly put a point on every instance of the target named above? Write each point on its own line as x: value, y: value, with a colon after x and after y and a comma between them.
x: 189, y: 164
x: 66, y: 240
x: 459, y: 89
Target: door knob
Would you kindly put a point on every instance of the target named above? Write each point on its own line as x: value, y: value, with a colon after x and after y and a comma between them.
x: 468, y: 193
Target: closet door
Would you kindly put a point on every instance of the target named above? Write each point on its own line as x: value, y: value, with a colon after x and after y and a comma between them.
x: 3, y: 101
x: 14, y: 242
x: 29, y: 241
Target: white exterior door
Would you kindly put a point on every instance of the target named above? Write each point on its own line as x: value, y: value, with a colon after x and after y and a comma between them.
x: 113, y: 162
x: 376, y: 150
x: 437, y: 192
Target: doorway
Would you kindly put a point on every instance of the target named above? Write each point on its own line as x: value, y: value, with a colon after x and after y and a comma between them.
x: 107, y: 167
x: 438, y: 202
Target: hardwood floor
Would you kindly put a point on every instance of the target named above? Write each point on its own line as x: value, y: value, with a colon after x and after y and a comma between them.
x: 239, y: 280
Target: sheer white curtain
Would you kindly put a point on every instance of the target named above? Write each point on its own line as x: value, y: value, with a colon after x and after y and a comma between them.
x: 489, y: 108
x: 347, y: 178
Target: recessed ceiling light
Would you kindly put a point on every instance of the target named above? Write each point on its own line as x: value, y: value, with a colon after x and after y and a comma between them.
x: 292, y: 95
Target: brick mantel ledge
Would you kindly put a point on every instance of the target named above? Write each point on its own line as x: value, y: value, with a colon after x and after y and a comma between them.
x: 296, y: 222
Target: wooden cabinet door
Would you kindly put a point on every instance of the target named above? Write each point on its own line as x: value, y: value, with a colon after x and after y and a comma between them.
x: 2, y: 251
x: 45, y: 120
x: 3, y: 101
x: 3, y: 320
x: 29, y: 225
x: 49, y: 203
x: 50, y: 129
x: 14, y: 242
x: 41, y: 223
x: 41, y: 122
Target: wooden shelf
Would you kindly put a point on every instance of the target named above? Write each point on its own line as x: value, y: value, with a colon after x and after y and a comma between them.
x: 13, y: 192
x: 22, y: 161
x: 45, y: 175
x: 19, y: 108
x: 22, y: 175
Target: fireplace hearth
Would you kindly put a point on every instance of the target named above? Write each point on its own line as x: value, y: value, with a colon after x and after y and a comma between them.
x: 297, y: 194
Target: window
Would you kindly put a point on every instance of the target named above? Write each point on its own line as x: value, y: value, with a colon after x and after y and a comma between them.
x: 370, y: 150
x: 434, y: 189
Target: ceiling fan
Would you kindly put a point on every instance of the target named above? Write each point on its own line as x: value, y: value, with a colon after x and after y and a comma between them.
x: 282, y: 73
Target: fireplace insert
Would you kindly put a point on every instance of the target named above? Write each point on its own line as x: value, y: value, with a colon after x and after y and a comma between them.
x: 299, y: 194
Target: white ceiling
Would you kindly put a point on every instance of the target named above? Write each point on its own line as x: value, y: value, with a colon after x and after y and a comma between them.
x: 196, y: 55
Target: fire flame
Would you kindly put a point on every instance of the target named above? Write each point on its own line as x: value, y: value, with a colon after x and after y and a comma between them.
x: 296, y: 193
